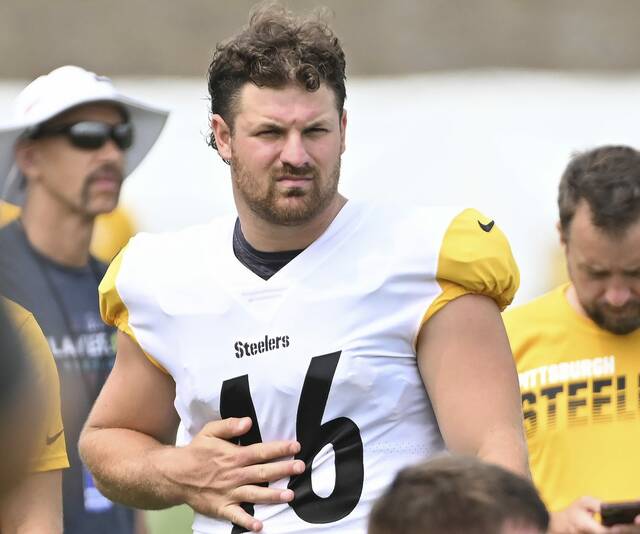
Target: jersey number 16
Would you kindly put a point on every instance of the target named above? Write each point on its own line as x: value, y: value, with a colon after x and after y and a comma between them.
x: 313, y: 435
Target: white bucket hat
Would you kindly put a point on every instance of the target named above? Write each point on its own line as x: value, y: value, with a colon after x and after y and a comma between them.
x: 62, y: 89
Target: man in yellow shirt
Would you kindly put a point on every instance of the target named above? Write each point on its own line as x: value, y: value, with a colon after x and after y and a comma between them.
x: 35, y: 505
x: 577, y: 348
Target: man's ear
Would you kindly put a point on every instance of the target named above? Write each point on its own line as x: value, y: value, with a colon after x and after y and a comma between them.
x: 561, y: 234
x: 343, y: 131
x: 222, y: 134
x: 26, y: 154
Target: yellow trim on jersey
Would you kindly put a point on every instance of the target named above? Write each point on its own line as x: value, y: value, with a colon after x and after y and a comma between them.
x: 51, y: 451
x: 113, y: 310
x: 475, y: 257
x: 450, y: 291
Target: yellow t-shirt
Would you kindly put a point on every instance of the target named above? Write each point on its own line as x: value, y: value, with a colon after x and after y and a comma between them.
x: 581, y: 401
x: 52, y: 454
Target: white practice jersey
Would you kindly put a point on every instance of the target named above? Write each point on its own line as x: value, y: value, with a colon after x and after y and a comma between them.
x: 323, y: 352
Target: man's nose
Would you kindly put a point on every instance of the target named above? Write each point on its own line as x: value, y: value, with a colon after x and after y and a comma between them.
x: 617, y: 295
x: 294, y: 152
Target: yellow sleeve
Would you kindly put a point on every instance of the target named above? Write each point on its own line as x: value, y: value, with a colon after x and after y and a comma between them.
x: 52, y: 453
x: 475, y: 257
x: 112, y: 309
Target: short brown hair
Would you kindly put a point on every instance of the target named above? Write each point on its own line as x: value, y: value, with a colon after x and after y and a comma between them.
x: 608, y: 179
x: 276, y: 49
x: 457, y: 495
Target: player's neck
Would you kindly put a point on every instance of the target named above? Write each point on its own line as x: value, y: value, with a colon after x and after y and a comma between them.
x: 268, y: 237
x: 60, y: 234
x: 574, y: 302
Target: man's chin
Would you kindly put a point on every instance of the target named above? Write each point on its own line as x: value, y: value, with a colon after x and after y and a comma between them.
x: 101, y: 206
x: 616, y: 325
x: 292, y: 211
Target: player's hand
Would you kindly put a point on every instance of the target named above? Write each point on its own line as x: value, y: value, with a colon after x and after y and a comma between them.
x: 578, y: 518
x: 216, y: 476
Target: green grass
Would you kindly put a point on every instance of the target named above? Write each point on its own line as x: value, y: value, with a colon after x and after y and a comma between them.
x: 175, y: 520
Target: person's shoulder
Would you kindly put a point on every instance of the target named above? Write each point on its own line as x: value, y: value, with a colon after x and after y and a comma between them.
x: 19, y: 315
x: 416, y: 227
x: 466, y: 228
x: 536, y: 326
x: 29, y: 330
x: 475, y: 254
x: 10, y: 232
x: 166, y: 243
x: 385, y: 212
x: 10, y: 241
x: 538, y: 311
x: 151, y: 258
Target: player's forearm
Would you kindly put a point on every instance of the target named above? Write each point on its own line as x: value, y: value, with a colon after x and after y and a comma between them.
x: 506, y: 447
x: 130, y: 467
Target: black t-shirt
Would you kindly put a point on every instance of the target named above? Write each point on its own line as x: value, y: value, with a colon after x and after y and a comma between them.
x: 64, y: 301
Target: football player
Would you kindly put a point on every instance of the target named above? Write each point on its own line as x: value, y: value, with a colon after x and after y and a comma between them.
x: 312, y: 346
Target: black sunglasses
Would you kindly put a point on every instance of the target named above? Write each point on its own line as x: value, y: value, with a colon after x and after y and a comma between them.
x: 91, y: 135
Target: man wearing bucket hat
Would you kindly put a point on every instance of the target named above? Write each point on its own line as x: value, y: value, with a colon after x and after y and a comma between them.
x: 72, y: 140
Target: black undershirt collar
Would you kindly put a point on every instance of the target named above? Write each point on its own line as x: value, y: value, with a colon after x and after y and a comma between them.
x: 263, y: 264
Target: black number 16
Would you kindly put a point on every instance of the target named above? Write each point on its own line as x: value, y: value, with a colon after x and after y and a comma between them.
x: 342, y: 433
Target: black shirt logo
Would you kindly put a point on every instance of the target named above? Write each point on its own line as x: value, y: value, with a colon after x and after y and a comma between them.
x: 52, y: 439
x: 487, y: 227
x: 268, y: 343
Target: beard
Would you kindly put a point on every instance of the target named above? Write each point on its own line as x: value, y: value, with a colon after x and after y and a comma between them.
x: 620, y: 321
x: 293, y: 206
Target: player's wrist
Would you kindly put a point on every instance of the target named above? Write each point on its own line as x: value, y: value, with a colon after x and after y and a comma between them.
x: 165, y: 465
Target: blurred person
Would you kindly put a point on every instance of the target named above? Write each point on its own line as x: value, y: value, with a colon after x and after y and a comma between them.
x: 71, y: 142
x: 577, y: 348
x: 111, y: 230
x: 306, y: 329
x: 19, y: 405
x: 35, y: 504
x: 459, y: 495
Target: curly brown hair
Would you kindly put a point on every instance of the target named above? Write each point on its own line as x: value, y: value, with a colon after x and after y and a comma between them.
x: 275, y: 49
x: 608, y: 179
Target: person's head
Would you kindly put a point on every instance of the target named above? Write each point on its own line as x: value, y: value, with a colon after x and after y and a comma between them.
x: 277, y: 95
x: 77, y: 158
x: 459, y: 495
x: 599, y: 205
x: 20, y: 405
x: 72, y: 140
